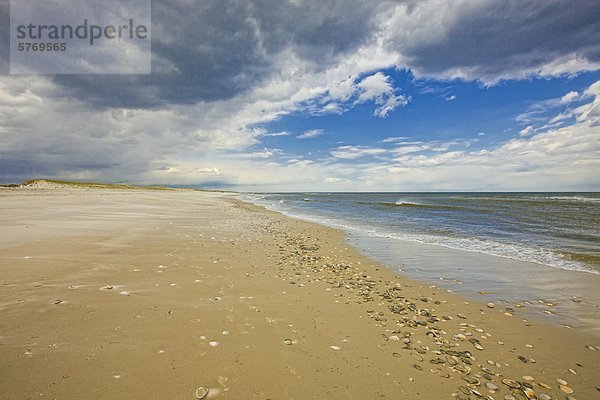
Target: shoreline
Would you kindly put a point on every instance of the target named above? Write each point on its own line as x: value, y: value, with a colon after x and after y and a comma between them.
x: 277, y: 300
x: 563, y: 297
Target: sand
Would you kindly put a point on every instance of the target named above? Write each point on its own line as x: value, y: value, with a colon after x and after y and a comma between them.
x: 132, y: 294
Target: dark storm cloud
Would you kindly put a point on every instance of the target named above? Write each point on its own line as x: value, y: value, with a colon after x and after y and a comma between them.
x: 4, y: 35
x: 214, y: 50
x: 502, y: 39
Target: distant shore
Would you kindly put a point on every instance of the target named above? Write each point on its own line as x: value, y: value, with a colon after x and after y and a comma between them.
x: 117, y: 294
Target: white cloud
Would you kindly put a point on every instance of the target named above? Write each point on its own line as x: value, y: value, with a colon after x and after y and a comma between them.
x: 409, y: 149
x: 275, y: 134
x: 311, y: 134
x: 569, y: 97
x: 353, y: 152
x: 380, y: 89
x: 395, y: 139
x: 528, y: 130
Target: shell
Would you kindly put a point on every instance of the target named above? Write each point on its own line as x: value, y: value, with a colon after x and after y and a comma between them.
x: 202, y: 392
x: 545, y: 386
x: 529, y: 393
x: 472, y: 380
x: 566, y: 389
x: 511, y: 383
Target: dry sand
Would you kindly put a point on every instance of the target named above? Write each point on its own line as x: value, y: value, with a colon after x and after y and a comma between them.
x: 151, y: 295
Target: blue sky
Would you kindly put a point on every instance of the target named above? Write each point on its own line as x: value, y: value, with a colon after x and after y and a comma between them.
x: 301, y: 95
x: 438, y: 111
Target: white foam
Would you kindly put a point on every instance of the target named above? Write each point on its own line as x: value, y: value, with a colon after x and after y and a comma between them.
x: 406, y: 203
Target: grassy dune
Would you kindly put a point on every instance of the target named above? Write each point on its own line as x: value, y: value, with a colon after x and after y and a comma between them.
x: 49, y: 183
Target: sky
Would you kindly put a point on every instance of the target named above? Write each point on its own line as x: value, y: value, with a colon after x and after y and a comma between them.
x: 325, y: 95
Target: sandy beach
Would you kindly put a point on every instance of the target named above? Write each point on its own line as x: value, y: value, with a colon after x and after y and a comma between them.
x: 133, y: 294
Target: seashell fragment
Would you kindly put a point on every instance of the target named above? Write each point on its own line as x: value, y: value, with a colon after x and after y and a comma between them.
x: 545, y: 386
x: 201, y: 392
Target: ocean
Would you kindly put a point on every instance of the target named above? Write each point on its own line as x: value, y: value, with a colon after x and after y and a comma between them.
x: 532, y: 249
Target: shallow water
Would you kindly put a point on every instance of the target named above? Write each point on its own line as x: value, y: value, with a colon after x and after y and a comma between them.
x: 555, y: 295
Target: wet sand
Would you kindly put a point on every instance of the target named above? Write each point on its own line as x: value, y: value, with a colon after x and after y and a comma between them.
x: 155, y: 294
x: 552, y: 295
